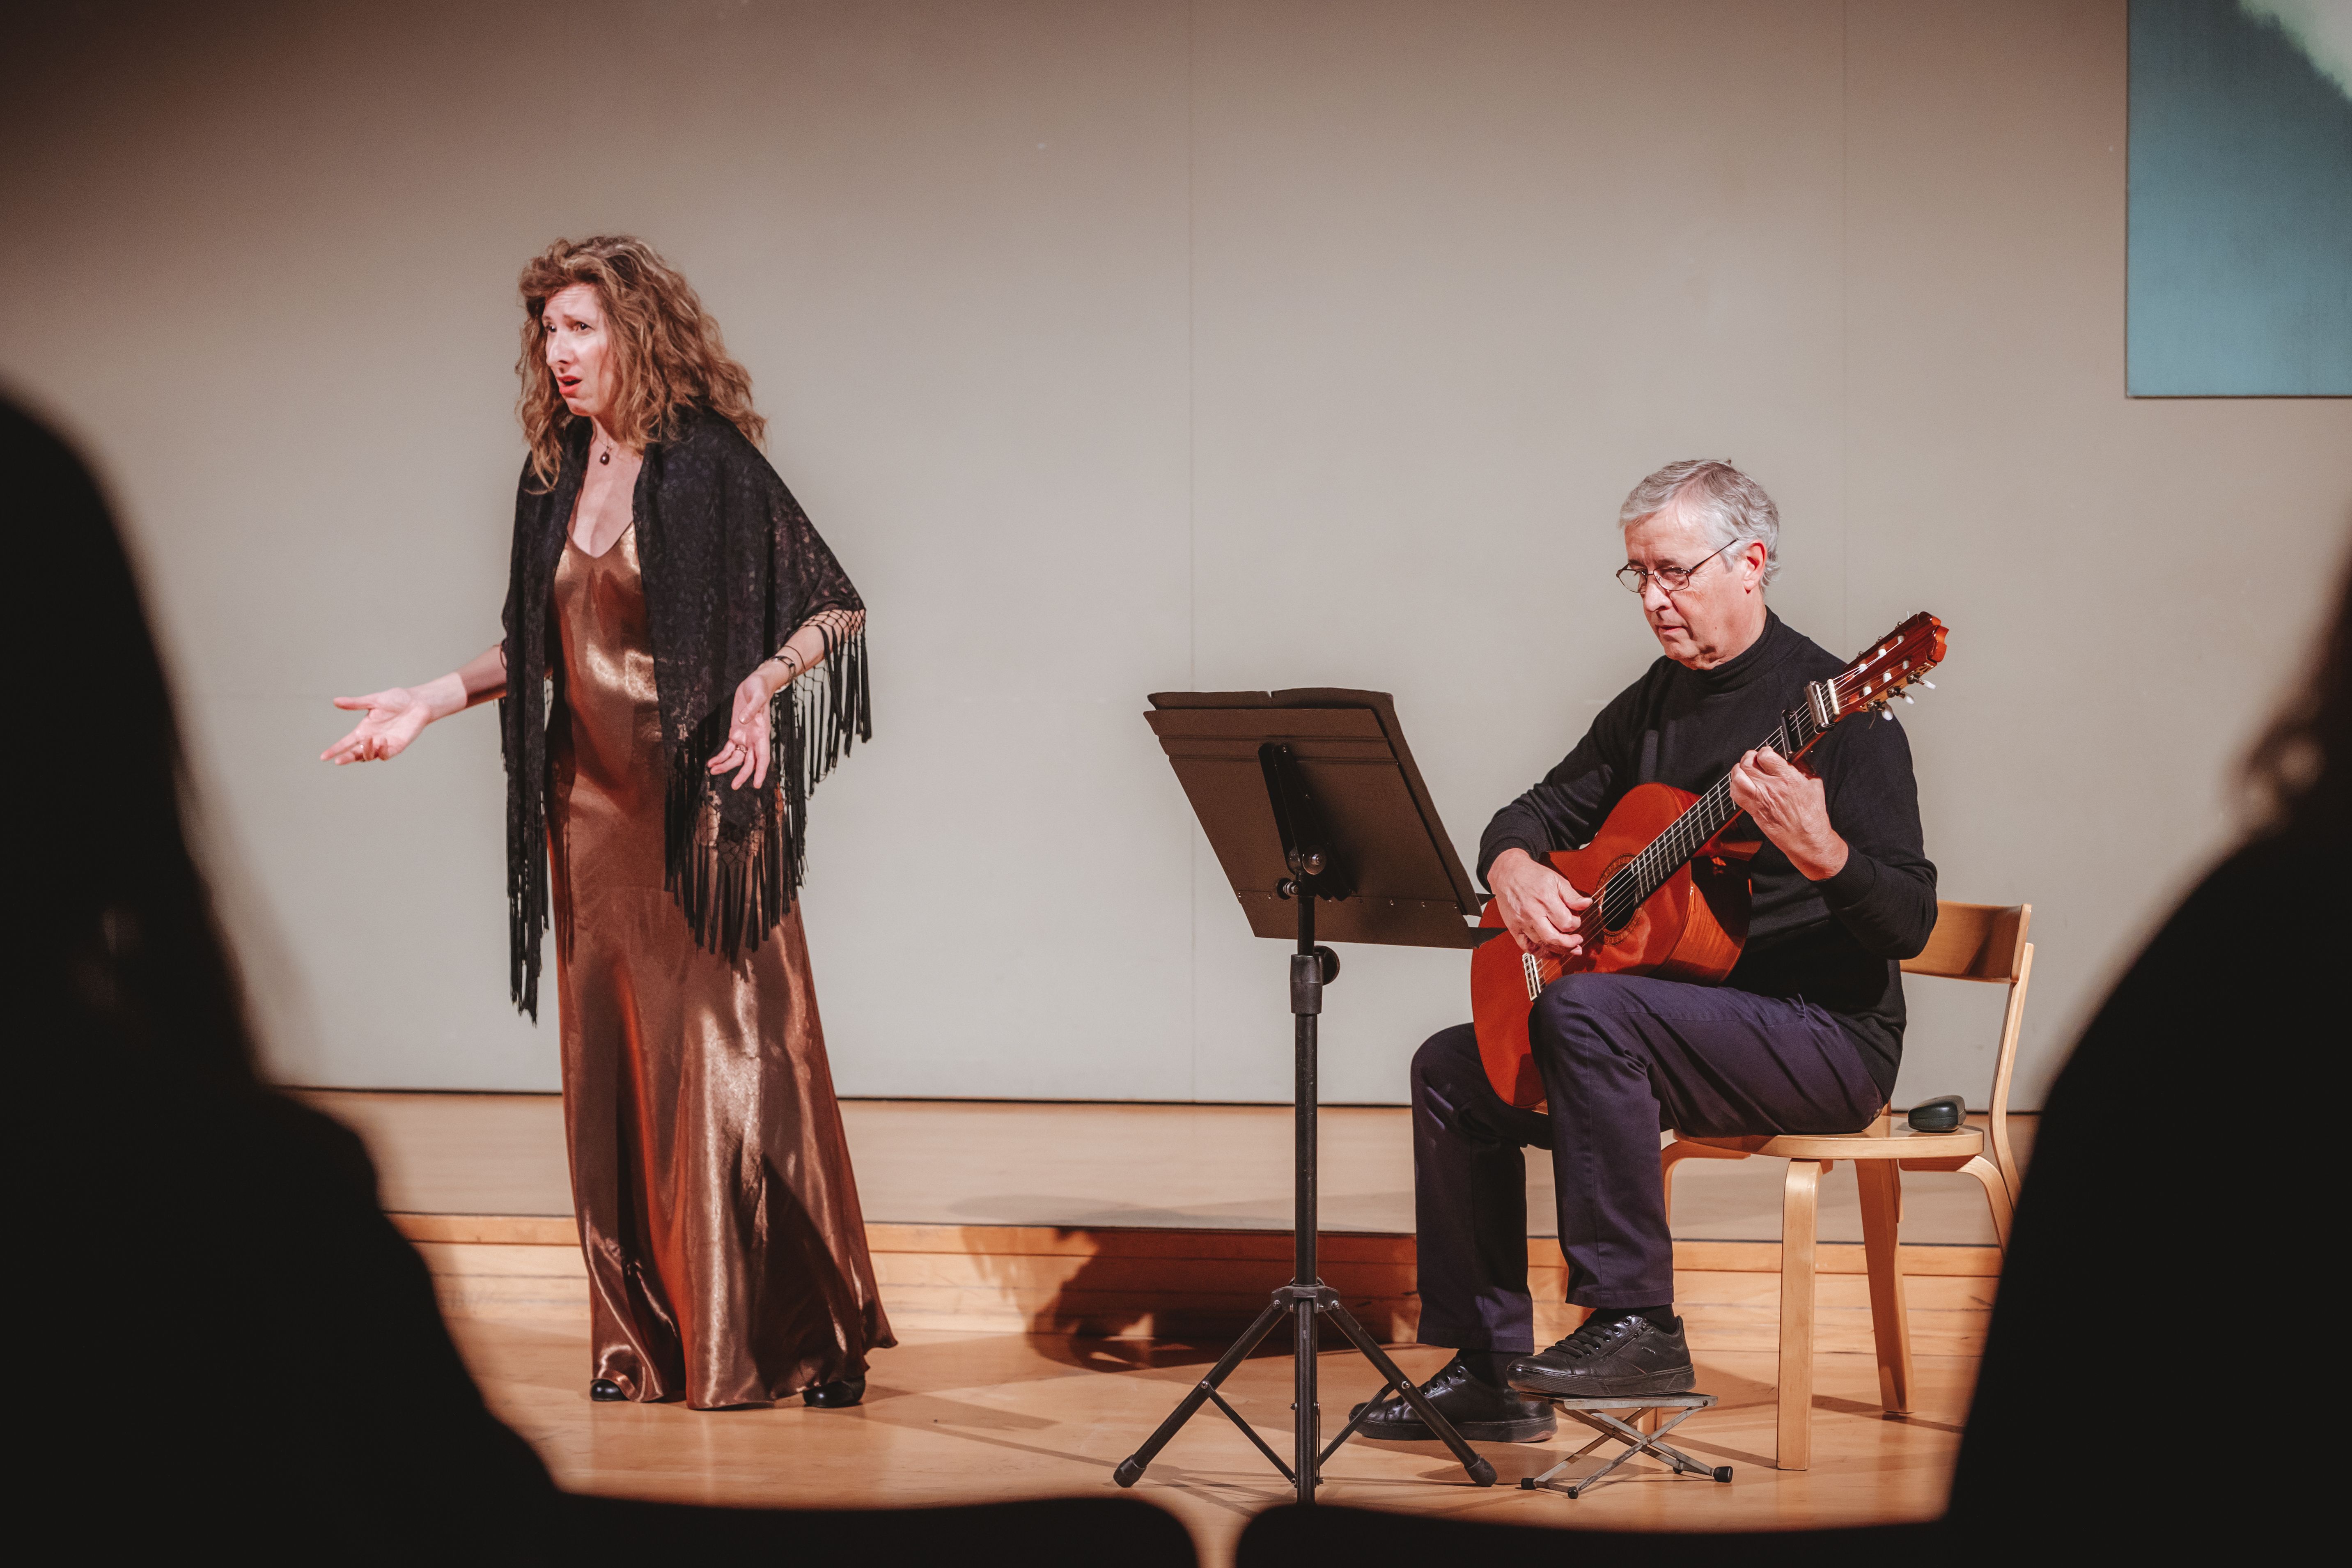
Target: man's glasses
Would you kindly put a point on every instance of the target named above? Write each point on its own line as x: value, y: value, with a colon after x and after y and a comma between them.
x: 1673, y: 579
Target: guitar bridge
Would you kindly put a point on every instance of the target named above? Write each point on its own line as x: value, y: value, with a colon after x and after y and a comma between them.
x: 1534, y: 975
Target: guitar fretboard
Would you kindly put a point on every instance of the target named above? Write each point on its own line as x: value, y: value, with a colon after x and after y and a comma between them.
x: 1705, y: 816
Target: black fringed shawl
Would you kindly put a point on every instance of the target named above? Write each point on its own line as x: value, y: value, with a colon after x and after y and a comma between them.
x: 732, y: 568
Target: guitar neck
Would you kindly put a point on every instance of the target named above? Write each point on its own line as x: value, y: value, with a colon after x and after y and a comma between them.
x: 1798, y: 730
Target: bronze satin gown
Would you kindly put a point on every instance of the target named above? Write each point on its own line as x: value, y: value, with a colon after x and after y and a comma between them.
x: 726, y: 1258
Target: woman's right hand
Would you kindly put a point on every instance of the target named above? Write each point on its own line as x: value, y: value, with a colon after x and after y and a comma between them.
x: 394, y: 717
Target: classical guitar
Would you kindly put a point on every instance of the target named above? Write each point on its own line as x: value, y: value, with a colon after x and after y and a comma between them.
x: 1669, y: 885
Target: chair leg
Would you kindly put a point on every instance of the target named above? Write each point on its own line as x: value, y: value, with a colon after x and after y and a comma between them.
x: 1675, y: 1153
x: 1670, y: 1156
x: 1996, y: 1189
x: 1800, y: 1215
x: 1890, y: 1319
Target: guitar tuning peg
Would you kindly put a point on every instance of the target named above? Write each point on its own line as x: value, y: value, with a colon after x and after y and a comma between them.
x: 1886, y: 715
x: 1929, y: 684
x: 1907, y: 697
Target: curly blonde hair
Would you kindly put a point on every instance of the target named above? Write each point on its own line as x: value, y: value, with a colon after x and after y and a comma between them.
x: 666, y: 349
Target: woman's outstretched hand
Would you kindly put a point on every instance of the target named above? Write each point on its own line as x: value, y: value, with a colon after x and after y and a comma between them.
x: 749, y: 746
x: 394, y: 717
x: 398, y: 714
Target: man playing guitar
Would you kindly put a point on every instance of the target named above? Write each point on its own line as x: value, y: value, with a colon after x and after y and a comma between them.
x: 1804, y: 1036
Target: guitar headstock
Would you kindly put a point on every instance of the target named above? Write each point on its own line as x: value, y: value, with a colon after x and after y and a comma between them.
x: 1901, y: 659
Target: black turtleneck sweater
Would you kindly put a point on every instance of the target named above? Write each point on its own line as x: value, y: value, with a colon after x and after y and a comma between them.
x: 1834, y: 944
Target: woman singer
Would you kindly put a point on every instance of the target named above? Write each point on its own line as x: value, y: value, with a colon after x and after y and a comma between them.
x: 678, y: 598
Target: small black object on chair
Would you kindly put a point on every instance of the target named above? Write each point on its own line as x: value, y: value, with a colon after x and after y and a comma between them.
x: 1942, y: 1114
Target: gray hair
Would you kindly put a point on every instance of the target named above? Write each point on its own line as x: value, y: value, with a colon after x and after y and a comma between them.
x: 1729, y: 505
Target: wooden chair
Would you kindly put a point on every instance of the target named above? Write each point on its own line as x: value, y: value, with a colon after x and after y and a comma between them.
x: 1971, y: 941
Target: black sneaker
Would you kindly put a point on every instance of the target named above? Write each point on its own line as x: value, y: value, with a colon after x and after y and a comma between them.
x: 1612, y: 1356
x: 1479, y: 1413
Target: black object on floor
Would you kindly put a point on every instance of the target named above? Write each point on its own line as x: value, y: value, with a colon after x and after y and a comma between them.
x: 1614, y: 1355
x: 1054, y: 1532
x: 604, y: 1391
x: 1480, y: 1412
x: 1289, y: 1536
x: 839, y: 1395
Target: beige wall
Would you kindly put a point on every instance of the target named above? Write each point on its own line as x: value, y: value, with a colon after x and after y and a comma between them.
x: 1122, y: 346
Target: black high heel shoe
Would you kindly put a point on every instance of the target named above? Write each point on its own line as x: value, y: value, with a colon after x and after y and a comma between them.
x: 604, y: 1391
x: 839, y: 1395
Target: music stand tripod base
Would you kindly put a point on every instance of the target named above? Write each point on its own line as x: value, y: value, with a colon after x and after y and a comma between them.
x: 1306, y: 1298
x: 1595, y: 1414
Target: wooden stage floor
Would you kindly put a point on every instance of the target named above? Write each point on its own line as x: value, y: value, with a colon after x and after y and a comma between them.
x: 1059, y: 1274
x: 953, y: 1417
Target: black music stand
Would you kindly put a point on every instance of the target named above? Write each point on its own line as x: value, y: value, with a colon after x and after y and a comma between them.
x: 1311, y: 795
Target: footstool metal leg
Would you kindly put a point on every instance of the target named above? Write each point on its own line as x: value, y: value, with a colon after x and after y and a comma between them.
x: 1579, y: 1488
x: 1628, y: 1432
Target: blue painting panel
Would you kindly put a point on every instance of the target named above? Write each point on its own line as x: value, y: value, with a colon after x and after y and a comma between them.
x: 2240, y: 242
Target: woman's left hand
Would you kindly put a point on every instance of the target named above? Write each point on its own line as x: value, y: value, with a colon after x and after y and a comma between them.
x: 748, y: 748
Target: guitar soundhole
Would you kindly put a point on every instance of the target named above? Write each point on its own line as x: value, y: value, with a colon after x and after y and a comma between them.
x: 1613, y: 932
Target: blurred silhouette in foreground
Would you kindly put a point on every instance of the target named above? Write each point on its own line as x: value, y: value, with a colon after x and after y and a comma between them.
x: 2145, y: 1297
x: 238, y: 1344
x: 2147, y: 1289
x: 226, y: 1343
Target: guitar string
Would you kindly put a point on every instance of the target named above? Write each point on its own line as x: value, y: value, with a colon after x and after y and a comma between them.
x: 1700, y: 821
x: 1683, y: 837
x: 1612, y: 894
x: 1642, y: 877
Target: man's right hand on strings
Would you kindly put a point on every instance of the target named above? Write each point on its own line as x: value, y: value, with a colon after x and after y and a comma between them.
x: 1540, y: 909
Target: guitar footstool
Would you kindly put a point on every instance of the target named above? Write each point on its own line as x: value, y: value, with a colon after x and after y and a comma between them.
x: 1595, y: 1414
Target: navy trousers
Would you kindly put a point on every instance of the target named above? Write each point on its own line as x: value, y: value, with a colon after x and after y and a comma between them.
x: 1623, y: 1057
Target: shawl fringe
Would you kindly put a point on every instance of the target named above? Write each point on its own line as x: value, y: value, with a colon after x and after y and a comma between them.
x: 734, y: 884
x: 528, y: 891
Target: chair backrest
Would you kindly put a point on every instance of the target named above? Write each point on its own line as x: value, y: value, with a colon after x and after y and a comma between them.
x: 1975, y: 942
x: 1987, y: 942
